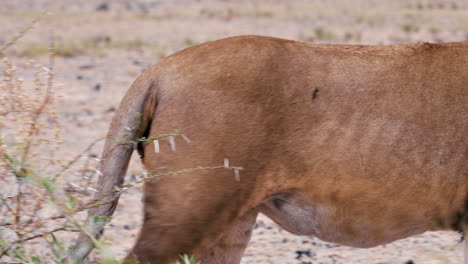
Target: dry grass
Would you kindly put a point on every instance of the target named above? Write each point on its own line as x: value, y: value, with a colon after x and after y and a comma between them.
x: 96, y: 47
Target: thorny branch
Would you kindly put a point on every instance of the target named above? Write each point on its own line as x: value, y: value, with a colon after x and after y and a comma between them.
x: 14, y: 243
x: 41, y: 199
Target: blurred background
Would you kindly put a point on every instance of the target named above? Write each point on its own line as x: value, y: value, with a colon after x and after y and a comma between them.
x: 102, y: 46
x: 161, y: 27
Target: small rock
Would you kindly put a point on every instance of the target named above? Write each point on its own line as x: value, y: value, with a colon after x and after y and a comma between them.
x: 88, y: 112
x: 410, y: 262
x: 102, y: 39
x: 85, y: 66
x: 110, y: 109
x: 103, y: 7
x: 331, y: 245
x: 305, y: 252
x: 79, y: 77
x: 128, y: 227
x: 97, y: 87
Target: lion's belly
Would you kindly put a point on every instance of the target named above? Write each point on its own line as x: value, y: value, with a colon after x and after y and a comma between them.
x: 364, y: 224
x: 363, y: 183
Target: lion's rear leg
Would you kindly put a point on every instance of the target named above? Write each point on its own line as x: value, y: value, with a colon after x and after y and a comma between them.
x: 163, y: 244
x: 188, y: 214
x: 230, y: 247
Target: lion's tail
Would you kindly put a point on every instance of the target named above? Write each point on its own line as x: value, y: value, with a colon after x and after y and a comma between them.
x: 131, y: 120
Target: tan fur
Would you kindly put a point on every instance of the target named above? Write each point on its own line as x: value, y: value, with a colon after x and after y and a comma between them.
x: 358, y: 145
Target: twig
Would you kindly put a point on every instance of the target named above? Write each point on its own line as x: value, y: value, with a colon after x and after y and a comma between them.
x: 45, y: 101
x: 4, y: 202
x: 50, y: 79
x: 18, y: 210
x: 77, y: 157
x: 14, y: 243
x: 12, y: 111
x: 50, y: 83
x: 40, y: 200
x: 30, y: 133
x: 23, y: 32
x: 85, y: 207
x: 84, y: 231
x: 89, y: 206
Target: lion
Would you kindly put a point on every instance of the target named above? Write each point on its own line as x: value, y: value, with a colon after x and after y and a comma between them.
x: 354, y: 144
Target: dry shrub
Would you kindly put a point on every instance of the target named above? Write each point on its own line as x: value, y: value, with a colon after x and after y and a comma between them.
x: 37, y: 198
x: 41, y: 193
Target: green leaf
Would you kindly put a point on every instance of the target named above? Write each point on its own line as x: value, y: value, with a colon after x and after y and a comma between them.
x: 56, y: 247
x: 110, y: 261
x: 81, y: 261
x: 48, y: 185
x: 71, y: 201
x: 57, y: 242
x: 9, y: 159
x: 36, y: 260
x: 99, y: 219
x: 187, y: 260
x: 19, y: 254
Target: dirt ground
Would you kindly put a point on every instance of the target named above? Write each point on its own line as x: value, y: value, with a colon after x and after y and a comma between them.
x: 103, y: 46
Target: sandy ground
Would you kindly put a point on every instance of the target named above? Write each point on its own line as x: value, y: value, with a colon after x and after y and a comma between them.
x: 106, y: 45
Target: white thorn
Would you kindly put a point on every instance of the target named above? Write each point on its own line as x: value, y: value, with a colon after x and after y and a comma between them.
x: 236, y: 174
x: 186, y: 138
x: 91, y: 189
x: 226, y: 163
x: 156, y: 146
x: 172, y: 142
x: 75, y: 186
x: 98, y: 172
